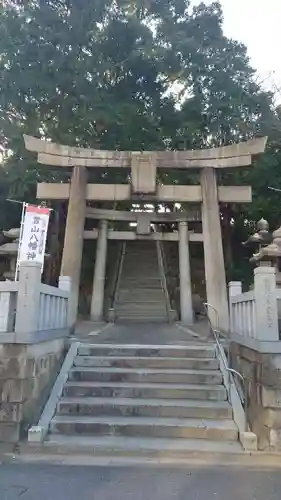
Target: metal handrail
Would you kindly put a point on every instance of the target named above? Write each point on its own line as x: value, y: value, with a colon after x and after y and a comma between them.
x: 119, y: 273
x: 216, y: 333
x: 230, y: 371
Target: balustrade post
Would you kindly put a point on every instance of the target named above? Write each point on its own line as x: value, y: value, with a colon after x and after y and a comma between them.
x: 7, y: 308
x: 266, y: 311
x: 234, y: 288
x: 65, y: 283
x: 27, y: 311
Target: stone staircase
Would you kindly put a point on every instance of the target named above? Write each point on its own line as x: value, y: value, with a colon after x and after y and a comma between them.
x: 127, y: 400
x: 140, y: 296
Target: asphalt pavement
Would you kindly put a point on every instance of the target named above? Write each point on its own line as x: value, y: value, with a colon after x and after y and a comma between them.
x: 59, y: 482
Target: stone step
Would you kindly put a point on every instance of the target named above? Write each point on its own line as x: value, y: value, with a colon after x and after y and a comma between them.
x: 146, y: 362
x: 145, y: 259
x: 143, y: 314
x: 142, y: 306
x: 146, y: 375
x: 116, y: 446
x: 140, y: 274
x: 131, y: 311
x: 187, y: 428
x: 141, y: 286
x: 145, y: 390
x: 141, y: 350
x: 144, y: 407
x: 140, y: 319
x: 141, y: 252
x: 152, y: 296
x: 142, y: 299
x: 141, y: 282
x: 140, y: 271
x: 144, y: 263
x: 136, y: 292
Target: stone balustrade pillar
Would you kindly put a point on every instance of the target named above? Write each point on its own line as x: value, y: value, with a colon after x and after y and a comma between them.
x: 99, y: 273
x: 27, y: 311
x: 234, y: 289
x: 65, y: 284
x: 7, y: 310
x: 74, y: 236
x: 185, y: 276
x: 266, y: 304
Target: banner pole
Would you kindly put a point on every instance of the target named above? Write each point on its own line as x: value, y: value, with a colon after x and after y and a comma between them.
x: 24, y: 205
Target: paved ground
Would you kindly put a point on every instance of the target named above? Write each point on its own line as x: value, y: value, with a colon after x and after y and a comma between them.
x: 47, y: 482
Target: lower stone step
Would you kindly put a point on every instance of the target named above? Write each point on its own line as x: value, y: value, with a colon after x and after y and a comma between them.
x: 138, y: 447
x: 145, y: 390
x: 165, y: 376
x: 187, y: 428
x: 145, y: 407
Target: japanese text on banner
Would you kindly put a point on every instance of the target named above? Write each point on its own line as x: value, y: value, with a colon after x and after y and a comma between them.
x: 34, y: 234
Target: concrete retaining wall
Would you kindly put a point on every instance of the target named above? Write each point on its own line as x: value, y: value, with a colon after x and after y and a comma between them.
x: 262, y: 372
x: 27, y: 374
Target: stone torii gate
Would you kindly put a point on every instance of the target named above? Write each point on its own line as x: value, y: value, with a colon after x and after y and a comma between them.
x: 144, y: 187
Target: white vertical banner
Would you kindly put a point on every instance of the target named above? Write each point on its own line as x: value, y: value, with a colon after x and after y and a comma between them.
x: 33, y: 238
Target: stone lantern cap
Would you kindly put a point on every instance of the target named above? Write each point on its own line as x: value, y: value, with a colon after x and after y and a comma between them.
x: 272, y: 251
x: 9, y: 248
x: 12, y: 234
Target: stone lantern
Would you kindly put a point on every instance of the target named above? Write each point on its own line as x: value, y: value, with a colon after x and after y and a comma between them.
x: 10, y: 251
x: 272, y: 254
x: 259, y: 240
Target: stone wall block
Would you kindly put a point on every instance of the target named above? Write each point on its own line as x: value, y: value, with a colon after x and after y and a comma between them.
x: 16, y: 367
x: 271, y: 398
x: 10, y: 412
x: 9, y: 432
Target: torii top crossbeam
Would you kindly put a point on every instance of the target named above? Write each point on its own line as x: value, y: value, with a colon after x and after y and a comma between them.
x: 144, y: 166
x: 234, y: 155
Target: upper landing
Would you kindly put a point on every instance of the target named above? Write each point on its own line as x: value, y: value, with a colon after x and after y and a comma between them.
x: 234, y: 155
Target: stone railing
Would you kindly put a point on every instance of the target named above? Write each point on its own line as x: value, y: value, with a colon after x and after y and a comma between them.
x: 8, y: 305
x: 53, y: 308
x: 30, y: 309
x: 242, y: 314
x: 254, y: 314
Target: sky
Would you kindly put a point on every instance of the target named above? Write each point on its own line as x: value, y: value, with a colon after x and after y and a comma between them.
x: 257, y: 23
